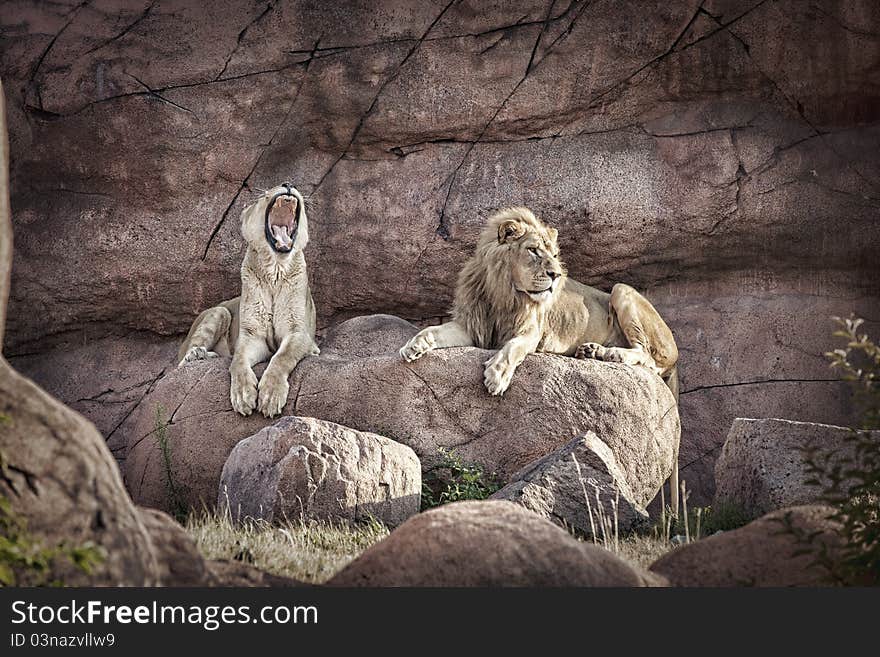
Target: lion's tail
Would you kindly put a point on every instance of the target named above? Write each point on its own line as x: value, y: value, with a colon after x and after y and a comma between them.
x: 671, y: 380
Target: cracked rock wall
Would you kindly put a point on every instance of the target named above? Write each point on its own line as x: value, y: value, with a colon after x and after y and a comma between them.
x: 720, y: 155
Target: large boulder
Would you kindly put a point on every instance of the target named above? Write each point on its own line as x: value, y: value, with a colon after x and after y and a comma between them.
x: 763, y: 464
x: 582, y: 486
x: 490, y: 543
x: 62, y: 481
x: 307, y: 468
x: 783, y: 548
x: 182, y: 432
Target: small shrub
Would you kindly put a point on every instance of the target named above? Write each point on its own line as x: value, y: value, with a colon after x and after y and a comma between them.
x: 849, y: 476
x: 454, y: 481
x: 724, y: 517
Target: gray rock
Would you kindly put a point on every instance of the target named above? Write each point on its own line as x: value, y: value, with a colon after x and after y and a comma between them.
x: 489, y: 543
x: 570, y: 485
x: 306, y: 468
x: 762, y: 466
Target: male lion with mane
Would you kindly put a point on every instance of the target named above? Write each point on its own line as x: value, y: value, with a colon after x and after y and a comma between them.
x: 275, y: 314
x: 513, y: 295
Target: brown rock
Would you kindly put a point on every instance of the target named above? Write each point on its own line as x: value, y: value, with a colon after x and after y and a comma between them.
x: 762, y: 466
x: 744, y: 354
x: 437, y: 402
x: 57, y: 473
x: 61, y: 480
x: 774, y: 550
x: 104, y: 378
x: 179, y: 561
x: 302, y: 467
x: 226, y: 573
x: 366, y: 336
x: 572, y: 484
x: 490, y: 543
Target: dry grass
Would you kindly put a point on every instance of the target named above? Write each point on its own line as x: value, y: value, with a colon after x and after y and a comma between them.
x: 311, y: 551
x: 674, y: 527
x: 643, y: 550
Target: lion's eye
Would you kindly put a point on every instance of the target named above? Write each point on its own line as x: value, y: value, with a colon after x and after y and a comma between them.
x: 534, y: 251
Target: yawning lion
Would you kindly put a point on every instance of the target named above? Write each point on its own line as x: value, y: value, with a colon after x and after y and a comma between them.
x: 275, y: 314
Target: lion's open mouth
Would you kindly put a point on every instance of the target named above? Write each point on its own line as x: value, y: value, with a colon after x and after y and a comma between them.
x: 281, y: 221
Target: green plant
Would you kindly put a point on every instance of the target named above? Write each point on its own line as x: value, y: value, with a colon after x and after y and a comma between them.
x: 179, y: 509
x: 691, y: 524
x: 453, y: 480
x: 25, y: 560
x: 848, y: 476
x: 859, y: 363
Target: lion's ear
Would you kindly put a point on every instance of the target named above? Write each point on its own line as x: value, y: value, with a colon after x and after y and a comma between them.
x: 510, y: 230
x: 553, y: 234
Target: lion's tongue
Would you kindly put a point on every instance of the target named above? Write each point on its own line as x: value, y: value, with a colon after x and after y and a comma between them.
x: 282, y: 237
x: 282, y: 219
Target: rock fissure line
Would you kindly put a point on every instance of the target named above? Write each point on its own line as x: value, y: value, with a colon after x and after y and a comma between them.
x: 371, y: 108
x: 758, y: 382
x: 155, y: 94
x: 244, y: 183
x: 149, y: 389
x: 125, y: 31
x: 32, y: 79
x: 443, y: 225
x: 269, y: 7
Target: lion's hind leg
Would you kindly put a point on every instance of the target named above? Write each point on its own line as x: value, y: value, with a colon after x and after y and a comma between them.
x: 651, y: 344
x: 628, y: 356
x: 207, y: 334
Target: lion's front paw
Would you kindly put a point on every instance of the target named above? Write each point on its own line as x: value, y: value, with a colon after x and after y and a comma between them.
x: 589, y: 350
x: 273, y: 392
x: 243, y: 392
x: 197, y: 353
x: 498, y: 374
x: 418, y: 347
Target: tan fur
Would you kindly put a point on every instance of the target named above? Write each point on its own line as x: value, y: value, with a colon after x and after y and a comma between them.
x: 274, y: 316
x: 495, y: 308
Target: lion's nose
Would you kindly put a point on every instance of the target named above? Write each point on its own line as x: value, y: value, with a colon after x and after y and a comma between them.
x: 553, y: 275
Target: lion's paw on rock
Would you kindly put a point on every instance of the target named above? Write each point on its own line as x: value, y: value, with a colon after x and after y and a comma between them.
x: 589, y: 350
x: 197, y: 353
x: 243, y: 392
x: 417, y: 347
x: 497, y: 375
x: 273, y: 391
